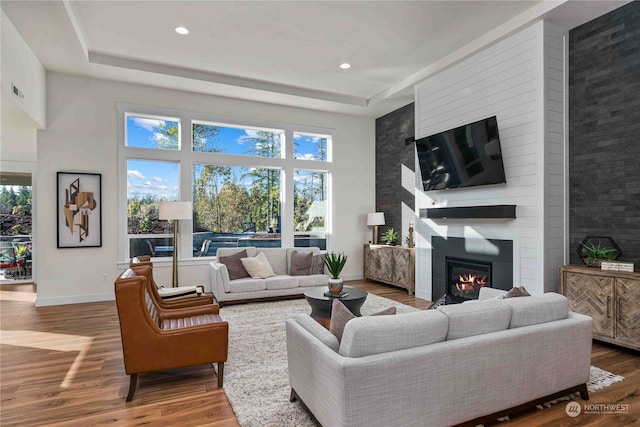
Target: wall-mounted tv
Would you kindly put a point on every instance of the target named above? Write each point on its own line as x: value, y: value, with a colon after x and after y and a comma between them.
x: 466, y: 156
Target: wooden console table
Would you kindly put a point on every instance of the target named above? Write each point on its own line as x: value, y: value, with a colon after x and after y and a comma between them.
x: 394, y: 265
x: 609, y: 297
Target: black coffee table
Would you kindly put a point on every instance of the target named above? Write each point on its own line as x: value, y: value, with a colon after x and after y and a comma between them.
x: 321, y: 305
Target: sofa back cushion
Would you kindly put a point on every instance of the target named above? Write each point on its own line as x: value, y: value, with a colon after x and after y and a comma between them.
x: 466, y: 320
x: 537, y: 309
x: 277, y: 258
x: 364, y: 336
x: 251, y: 251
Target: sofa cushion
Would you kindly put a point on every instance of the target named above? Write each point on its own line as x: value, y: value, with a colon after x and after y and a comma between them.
x: 487, y: 292
x: 517, y: 291
x: 340, y: 315
x: 258, y: 266
x: 247, y: 285
x: 313, y: 280
x: 466, y: 320
x: 317, y: 264
x: 318, y: 331
x: 277, y: 258
x: 364, y: 336
x: 281, y: 282
x: 234, y: 265
x: 300, y: 263
x: 537, y: 309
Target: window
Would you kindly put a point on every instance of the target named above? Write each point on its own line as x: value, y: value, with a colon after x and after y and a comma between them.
x: 251, y: 184
x: 310, y: 147
x: 161, y: 133
x: 235, y: 206
x: 216, y: 138
x: 310, y: 208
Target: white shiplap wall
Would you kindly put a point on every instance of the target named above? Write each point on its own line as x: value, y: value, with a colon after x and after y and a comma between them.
x: 521, y: 81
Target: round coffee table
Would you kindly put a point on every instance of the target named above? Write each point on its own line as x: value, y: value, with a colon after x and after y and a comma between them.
x: 321, y: 305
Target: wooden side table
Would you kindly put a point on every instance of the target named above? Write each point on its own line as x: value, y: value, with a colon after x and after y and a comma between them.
x: 394, y: 265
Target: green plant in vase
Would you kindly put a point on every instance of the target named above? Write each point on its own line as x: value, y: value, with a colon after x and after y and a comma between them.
x: 390, y: 237
x: 335, y: 261
x: 593, y: 255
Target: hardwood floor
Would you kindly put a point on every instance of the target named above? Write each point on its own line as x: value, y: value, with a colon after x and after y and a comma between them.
x: 62, y: 366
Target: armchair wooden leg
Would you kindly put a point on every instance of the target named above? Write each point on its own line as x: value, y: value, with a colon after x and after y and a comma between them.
x: 220, y: 373
x: 584, y: 393
x: 132, y: 386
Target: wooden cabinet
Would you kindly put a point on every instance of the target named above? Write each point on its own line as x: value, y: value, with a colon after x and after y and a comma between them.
x: 394, y: 265
x: 611, y: 298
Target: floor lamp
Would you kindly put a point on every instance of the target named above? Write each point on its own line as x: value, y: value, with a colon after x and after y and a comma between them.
x: 375, y: 219
x: 174, y: 211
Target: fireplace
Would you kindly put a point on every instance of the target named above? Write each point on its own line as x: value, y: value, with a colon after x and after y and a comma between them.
x: 492, y: 258
x: 465, y: 277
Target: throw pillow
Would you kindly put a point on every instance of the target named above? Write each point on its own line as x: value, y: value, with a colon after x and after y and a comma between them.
x: 258, y: 266
x: 317, y: 264
x: 234, y: 265
x: 440, y: 301
x: 517, y: 291
x: 340, y: 315
x: 300, y: 263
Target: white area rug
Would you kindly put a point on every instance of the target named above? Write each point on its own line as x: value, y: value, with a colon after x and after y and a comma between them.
x: 256, y: 380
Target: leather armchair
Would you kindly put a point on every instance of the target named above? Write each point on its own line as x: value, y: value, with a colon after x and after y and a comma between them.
x: 155, y: 339
x: 173, y: 301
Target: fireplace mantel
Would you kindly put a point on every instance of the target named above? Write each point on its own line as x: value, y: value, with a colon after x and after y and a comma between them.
x: 462, y: 212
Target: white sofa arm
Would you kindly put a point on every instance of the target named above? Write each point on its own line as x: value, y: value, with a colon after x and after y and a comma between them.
x: 219, y: 280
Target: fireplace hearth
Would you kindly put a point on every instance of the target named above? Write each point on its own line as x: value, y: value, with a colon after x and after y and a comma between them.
x: 466, y: 277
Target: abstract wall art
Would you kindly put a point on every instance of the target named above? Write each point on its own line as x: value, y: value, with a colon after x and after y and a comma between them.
x: 79, y: 210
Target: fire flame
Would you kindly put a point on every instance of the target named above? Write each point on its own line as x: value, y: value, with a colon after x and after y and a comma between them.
x: 467, y: 282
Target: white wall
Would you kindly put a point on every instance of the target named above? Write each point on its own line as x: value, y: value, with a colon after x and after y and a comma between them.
x: 19, y: 117
x: 82, y: 136
x: 513, y: 80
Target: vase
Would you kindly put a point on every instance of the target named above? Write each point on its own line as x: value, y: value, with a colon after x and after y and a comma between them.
x: 335, y: 285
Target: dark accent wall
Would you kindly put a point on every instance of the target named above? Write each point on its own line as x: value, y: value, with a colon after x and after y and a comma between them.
x: 604, y: 131
x: 392, y: 153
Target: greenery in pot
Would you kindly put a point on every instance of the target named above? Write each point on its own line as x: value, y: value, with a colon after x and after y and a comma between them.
x: 335, y: 261
x: 390, y: 236
x: 593, y: 255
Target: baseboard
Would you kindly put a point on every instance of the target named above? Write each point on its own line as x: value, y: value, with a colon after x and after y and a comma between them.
x: 73, y: 299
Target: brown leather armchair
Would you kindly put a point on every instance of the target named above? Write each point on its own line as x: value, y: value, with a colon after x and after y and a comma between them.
x: 155, y: 339
x: 175, y: 300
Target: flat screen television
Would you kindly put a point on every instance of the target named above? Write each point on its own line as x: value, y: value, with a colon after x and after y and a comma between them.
x: 466, y: 156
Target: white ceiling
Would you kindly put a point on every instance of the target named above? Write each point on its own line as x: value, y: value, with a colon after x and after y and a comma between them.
x: 284, y: 52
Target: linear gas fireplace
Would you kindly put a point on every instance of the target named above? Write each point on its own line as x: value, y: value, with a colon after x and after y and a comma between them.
x: 462, y: 266
x: 465, y: 277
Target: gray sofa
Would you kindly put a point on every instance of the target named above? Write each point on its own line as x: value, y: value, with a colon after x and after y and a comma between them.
x: 474, y: 362
x: 282, y: 285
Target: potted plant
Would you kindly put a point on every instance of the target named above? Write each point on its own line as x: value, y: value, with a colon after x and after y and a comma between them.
x: 390, y: 236
x: 335, y: 261
x: 593, y: 255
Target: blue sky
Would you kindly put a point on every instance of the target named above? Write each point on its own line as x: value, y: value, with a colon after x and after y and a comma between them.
x: 160, y: 179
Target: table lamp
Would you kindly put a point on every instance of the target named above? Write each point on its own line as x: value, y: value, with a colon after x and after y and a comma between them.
x: 376, y: 219
x: 174, y: 211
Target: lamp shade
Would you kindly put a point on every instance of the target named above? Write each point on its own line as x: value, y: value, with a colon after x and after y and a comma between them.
x: 375, y: 218
x: 175, y: 210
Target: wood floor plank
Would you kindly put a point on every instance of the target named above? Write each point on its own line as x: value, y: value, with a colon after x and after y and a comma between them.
x: 35, y: 363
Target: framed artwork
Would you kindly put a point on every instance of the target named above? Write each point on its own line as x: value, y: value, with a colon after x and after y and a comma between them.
x: 79, y: 203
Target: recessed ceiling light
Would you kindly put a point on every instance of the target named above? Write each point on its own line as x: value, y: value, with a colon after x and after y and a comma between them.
x: 182, y: 30
x: 345, y: 65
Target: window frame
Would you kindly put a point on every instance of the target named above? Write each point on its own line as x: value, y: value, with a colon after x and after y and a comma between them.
x: 186, y: 158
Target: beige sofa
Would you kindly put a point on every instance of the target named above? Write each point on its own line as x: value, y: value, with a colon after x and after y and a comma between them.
x: 473, y: 362
x: 282, y: 285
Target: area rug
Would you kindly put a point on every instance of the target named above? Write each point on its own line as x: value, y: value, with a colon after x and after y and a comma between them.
x: 256, y: 380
